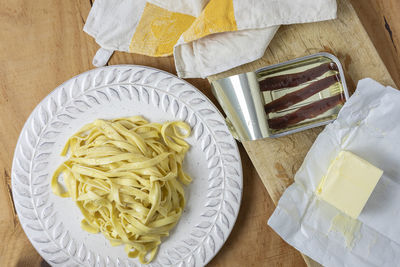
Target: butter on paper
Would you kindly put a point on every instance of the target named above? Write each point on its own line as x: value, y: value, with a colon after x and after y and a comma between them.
x: 346, y: 226
x: 369, y: 126
x: 348, y: 183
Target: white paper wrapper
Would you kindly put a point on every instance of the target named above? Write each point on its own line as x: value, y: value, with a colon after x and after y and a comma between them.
x: 369, y: 126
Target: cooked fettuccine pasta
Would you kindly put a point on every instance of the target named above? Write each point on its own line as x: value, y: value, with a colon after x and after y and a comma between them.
x: 126, y: 177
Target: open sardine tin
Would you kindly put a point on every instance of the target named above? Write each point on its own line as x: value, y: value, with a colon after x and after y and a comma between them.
x: 284, y: 98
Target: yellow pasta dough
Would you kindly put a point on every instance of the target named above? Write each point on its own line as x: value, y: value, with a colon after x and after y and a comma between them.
x: 126, y: 177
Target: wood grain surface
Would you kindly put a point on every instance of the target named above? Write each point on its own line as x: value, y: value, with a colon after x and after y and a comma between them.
x: 381, y: 19
x: 42, y: 44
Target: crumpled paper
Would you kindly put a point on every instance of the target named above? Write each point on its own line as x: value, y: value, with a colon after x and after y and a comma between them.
x: 369, y: 126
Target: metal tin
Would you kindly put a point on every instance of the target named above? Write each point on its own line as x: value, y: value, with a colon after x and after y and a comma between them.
x: 243, y: 102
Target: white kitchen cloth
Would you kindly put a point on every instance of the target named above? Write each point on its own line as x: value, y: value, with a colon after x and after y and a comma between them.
x: 369, y: 126
x: 205, y: 36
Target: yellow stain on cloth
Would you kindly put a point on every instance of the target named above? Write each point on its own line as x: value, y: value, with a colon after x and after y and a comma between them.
x: 158, y: 31
x: 217, y: 16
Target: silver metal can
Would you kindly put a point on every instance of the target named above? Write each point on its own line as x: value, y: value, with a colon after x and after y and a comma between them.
x: 284, y: 98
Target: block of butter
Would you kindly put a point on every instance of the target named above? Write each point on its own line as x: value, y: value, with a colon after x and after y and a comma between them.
x: 348, y: 183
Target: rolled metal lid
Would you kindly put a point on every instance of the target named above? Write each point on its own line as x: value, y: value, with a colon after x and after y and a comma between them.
x: 241, y: 99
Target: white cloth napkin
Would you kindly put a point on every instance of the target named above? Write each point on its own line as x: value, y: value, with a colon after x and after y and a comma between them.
x: 206, y: 36
x: 367, y: 125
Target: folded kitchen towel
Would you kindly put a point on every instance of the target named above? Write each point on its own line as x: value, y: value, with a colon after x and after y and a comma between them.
x: 205, y: 36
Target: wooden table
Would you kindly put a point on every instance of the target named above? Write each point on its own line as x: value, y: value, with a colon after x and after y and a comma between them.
x: 42, y: 45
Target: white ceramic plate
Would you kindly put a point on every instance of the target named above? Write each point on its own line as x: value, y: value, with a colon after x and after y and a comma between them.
x: 53, y: 224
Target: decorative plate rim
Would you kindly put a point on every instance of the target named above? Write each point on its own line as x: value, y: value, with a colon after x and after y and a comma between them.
x: 153, y: 82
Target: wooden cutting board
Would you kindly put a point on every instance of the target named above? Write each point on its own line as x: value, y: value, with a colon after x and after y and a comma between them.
x: 277, y: 160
